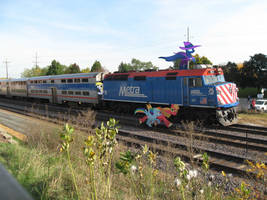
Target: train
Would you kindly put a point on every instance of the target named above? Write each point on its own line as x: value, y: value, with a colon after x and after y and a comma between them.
x: 201, y: 93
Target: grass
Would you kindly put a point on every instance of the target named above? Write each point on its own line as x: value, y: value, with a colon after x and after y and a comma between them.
x: 102, y: 169
x: 253, y: 117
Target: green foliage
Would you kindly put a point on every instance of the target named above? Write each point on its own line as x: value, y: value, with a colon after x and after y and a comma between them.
x: 254, y: 72
x: 245, y: 92
x: 86, y: 70
x: 205, y: 162
x: 97, y: 67
x: 124, y: 67
x: 202, y: 60
x: 180, y: 167
x: 67, y: 138
x: 56, y: 68
x: 125, y: 162
x: 232, y: 73
x: 32, y: 169
x: 136, y: 65
x: 72, y: 69
x: 35, y: 71
x: 137, y: 174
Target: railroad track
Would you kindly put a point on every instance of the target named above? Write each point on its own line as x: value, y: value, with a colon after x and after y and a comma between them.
x: 228, y: 147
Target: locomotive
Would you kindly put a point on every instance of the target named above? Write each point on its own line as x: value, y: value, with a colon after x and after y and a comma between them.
x: 201, y: 93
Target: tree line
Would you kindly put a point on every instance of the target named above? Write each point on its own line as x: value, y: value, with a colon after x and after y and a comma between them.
x: 251, y: 73
x: 56, y: 68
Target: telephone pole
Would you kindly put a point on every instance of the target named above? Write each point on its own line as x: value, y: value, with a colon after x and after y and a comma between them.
x: 36, y: 60
x: 6, y: 62
x: 187, y: 34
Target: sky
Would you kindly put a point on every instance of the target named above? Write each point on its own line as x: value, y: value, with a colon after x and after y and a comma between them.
x: 115, y: 31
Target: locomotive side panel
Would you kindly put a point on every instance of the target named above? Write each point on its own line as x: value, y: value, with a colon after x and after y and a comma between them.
x: 167, y: 90
x: 138, y: 90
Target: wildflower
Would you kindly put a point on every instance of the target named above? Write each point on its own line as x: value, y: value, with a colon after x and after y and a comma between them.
x: 211, y: 177
x: 209, y: 183
x: 223, y: 173
x: 193, y: 173
x: 133, y: 168
x: 177, y: 182
x: 188, y: 176
x: 201, y: 191
x: 155, y: 172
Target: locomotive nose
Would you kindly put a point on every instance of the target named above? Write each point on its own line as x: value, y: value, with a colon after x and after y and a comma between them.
x: 227, y: 94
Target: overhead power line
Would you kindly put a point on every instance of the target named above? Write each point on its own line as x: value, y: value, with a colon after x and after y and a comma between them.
x: 36, y: 60
x: 6, y: 63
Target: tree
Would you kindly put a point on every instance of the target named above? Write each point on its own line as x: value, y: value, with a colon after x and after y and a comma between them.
x: 86, y: 70
x: 232, y: 73
x: 56, y: 68
x: 35, y: 71
x: 124, y: 67
x: 72, y: 69
x: 97, y: 67
x: 254, y: 72
x: 136, y: 65
x: 202, y: 60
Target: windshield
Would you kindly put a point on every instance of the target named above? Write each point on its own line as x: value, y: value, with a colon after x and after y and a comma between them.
x: 213, y: 79
x: 259, y: 102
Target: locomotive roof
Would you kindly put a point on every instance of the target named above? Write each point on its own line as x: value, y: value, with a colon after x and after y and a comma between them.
x: 89, y: 75
x: 160, y: 73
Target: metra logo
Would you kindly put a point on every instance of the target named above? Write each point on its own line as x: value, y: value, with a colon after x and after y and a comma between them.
x: 130, y: 91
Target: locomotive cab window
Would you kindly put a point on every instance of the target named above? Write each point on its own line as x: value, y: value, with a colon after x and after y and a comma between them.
x: 195, y: 82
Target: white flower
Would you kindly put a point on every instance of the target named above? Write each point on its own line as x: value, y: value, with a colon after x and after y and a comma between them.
x: 193, y: 173
x: 209, y: 183
x: 201, y: 191
x: 211, y: 177
x: 188, y: 176
x: 177, y: 182
x: 133, y: 168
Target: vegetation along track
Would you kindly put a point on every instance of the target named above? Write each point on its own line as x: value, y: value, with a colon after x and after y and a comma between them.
x: 228, y: 147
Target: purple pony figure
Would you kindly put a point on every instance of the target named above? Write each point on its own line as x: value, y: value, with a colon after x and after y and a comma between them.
x: 184, y: 56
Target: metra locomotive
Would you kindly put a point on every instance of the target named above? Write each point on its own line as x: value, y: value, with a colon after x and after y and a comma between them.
x: 200, y: 93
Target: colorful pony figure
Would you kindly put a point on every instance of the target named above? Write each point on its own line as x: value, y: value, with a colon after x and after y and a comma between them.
x: 183, y: 56
x: 155, y: 116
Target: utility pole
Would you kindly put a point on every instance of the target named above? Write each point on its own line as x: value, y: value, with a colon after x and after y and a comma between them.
x: 187, y: 34
x: 36, y: 62
x: 6, y: 62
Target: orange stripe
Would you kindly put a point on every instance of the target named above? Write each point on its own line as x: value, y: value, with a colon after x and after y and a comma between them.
x: 14, y: 133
